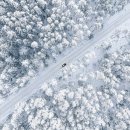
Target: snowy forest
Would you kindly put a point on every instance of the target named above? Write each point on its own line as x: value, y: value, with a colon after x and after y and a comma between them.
x: 34, y: 31
x: 89, y: 93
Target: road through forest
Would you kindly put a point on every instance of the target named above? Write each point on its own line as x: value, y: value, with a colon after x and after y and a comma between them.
x: 8, y: 106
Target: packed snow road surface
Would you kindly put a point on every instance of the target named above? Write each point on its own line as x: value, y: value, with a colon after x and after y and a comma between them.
x: 8, y: 106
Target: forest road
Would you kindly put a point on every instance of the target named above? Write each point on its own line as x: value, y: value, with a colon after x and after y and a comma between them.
x: 8, y: 106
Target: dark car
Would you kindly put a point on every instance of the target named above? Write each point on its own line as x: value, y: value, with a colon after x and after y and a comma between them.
x: 91, y: 36
x: 64, y: 65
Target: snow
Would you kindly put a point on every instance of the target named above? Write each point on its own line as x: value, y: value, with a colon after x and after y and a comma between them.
x: 95, y: 80
x: 52, y: 70
x: 42, y: 30
x: 84, y: 75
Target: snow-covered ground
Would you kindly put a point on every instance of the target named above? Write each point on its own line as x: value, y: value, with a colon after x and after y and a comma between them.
x: 90, y: 93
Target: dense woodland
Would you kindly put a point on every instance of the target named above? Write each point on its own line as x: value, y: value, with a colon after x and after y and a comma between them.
x: 34, y: 31
x: 92, y: 93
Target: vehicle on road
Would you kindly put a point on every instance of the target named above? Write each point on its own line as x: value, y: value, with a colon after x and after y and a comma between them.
x: 64, y: 65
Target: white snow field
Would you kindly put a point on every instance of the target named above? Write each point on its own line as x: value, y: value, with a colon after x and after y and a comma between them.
x: 91, y: 92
